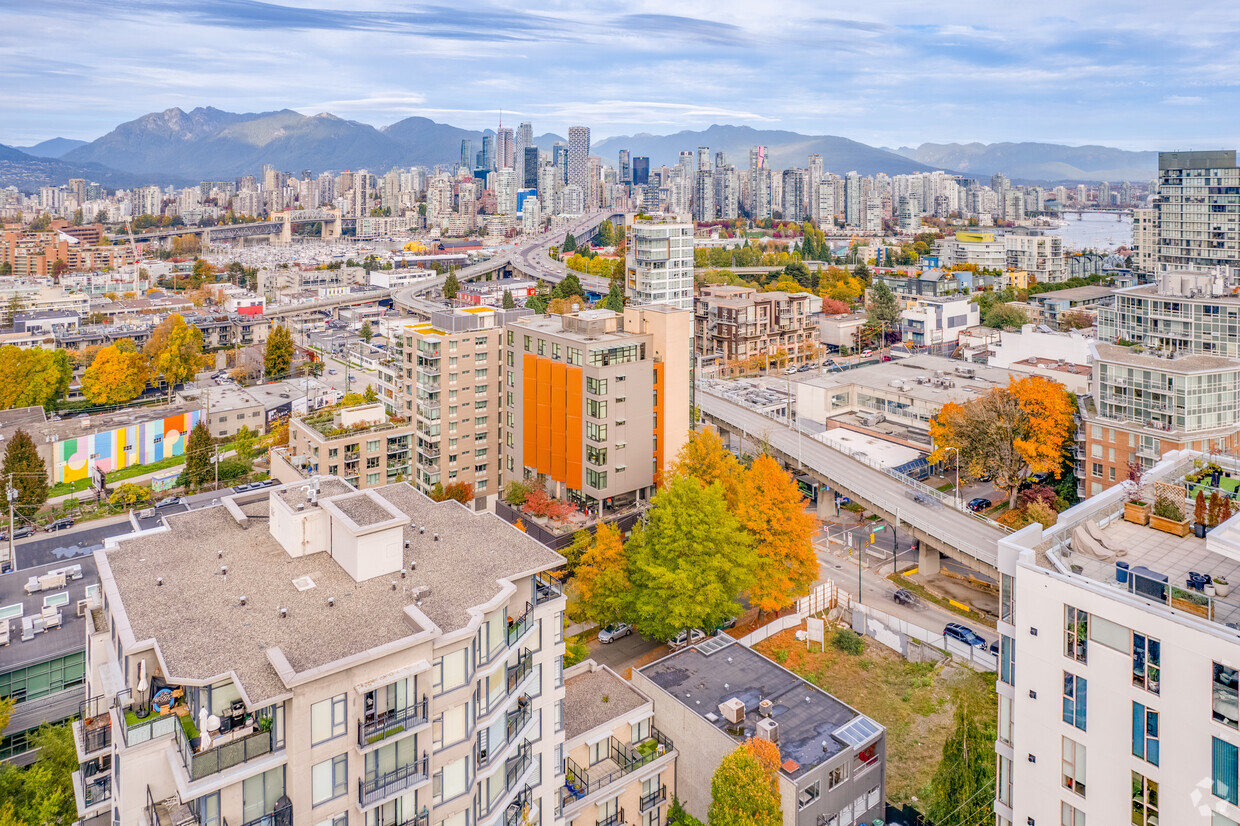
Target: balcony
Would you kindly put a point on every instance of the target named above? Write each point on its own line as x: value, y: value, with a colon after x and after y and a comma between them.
x: 171, y: 812
x: 238, y: 748
x: 621, y: 760
x: 656, y: 798
x: 423, y: 819
x: 279, y: 816
x: 547, y: 587
x: 517, y: 673
x: 615, y: 819
x: 92, y: 731
x: 517, y: 627
x: 370, y: 790
x: 91, y: 791
x: 387, y: 723
x: 516, y: 809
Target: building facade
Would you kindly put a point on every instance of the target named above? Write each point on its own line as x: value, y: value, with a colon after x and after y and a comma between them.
x: 742, y: 325
x: 1198, y: 216
x: 360, y: 444
x: 659, y: 261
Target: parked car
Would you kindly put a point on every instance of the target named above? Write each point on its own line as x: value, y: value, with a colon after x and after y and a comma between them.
x: 168, y: 501
x: 966, y: 635
x: 805, y: 368
x: 865, y: 354
x: 790, y: 371
x: 886, y: 358
x: 22, y: 532
x: 60, y: 524
x: 614, y: 632
x: 979, y: 504
x: 331, y: 372
x: 690, y: 637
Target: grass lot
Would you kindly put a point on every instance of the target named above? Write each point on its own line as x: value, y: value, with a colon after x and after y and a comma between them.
x: 118, y: 475
x: 944, y: 488
x: 913, y: 700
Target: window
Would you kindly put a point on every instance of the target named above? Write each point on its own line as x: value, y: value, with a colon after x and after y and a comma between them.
x: 372, y: 479
x: 596, y: 479
x: 451, y: 726
x: 555, y: 349
x: 1004, y: 788
x: 1005, y: 719
x: 372, y: 446
x: 837, y: 776
x: 1144, y: 801
x: 596, y: 432
x: 640, y: 730
x: 450, y: 670
x: 327, y: 719
x: 372, y: 462
x: 1146, y: 660
x: 1073, y: 766
x: 596, y: 409
x: 1007, y: 659
x: 260, y: 793
x: 599, y: 751
x: 1075, y: 633
x: 1224, y: 770
x: 596, y: 455
x: 1071, y: 816
x: 329, y: 779
x: 527, y: 344
x: 1095, y: 469
x: 41, y: 679
x: 1074, y: 700
x: 1111, y: 634
x: 1145, y: 733
x: 596, y: 387
x: 809, y: 794
x: 542, y: 347
x: 450, y: 781
x: 1005, y: 597
x: 1224, y: 695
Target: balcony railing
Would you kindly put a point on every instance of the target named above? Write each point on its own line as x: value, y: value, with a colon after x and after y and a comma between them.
x: 93, y: 728
x: 172, y: 812
x: 578, y: 783
x: 278, y: 816
x: 611, y: 820
x: 518, y: 626
x: 422, y: 819
x: 372, y: 789
x: 517, y: 673
x: 390, y: 722
x: 233, y: 753
x: 515, y: 810
x: 547, y: 587
x: 516, y: 765
x: 96, y: 789
x: 654, y: 798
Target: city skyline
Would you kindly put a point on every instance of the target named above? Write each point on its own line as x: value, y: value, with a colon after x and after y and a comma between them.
x: 950, y: 76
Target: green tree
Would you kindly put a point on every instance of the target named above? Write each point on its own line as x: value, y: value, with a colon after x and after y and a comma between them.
x: 24, y: 465
x: 201, y: 274
x: 677, y: 816
x: 1005, y: 316
x: 278, y: 354
x: 129, y: 495
x: 744, y: 790
x: 175, y: 351
x: 963, y: 785
x: 198, y: 451
x: 690, y: 562
x: 245, y: 443
x: 800, y: 273
x: 606, y: 234
x: 33, y: 377
x: 43, y: 793
x: 568, y: 287
x: 366, y: 332
x: 883, y: 308
x: 509, y: 303
x: 614, y: 300
x: 451, y: 286
x: 570, y: 243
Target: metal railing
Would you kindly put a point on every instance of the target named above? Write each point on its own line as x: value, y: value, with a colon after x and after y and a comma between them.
x: 422, y: 819
x: 233, y: 753
x: 516, y: 765
x: 96, y: 789
x: 579, y: 784
x: 278, y: 815
x: 547, y: 587
x: 512, y: 814
x: 655, y: 798
x: 390, y: 722
x: 94, y: 725
x: 517, y: 673
x: 372, y: 789
x: 614, y: 819
x: 146, y: 730
x: 517, y: 627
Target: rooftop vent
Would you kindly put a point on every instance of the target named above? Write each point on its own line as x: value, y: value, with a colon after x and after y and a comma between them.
x: 768, y: 729
x: 331, y: 602
x: 733, y: 711
x: 764, y: 708
x: 303, y: 583
x: 242, y: 600
x: 283, y: 613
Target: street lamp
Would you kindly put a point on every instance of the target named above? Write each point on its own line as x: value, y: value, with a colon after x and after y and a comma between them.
x: 957, y: 474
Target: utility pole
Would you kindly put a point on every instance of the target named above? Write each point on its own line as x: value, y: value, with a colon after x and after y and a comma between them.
x: 11, y: 492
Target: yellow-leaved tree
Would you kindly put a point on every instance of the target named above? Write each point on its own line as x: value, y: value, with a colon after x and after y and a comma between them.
x: 704, y: 458
x: 599, y: 591
x: 770, y: 507
x: 118, y: 374
x: 744, y: 790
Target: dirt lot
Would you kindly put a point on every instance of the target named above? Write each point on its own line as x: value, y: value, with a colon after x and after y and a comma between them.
x: 913, y: 700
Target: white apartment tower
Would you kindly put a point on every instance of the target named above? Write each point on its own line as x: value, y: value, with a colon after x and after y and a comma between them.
x: 578, y: 156
x: 659, y: 261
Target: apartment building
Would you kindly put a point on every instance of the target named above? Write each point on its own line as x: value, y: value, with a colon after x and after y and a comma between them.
x: 1187, y: 311
x: 313, y: 654
x: 1117, y: 680
x: 1198, y: 216
x: 979, y: 248
x: 1038, y: 253
x: 937, y: 321
x: 1145, y: 240
x: 740, y: 324
x: 617, y: 766
x: 447, y: 374
x: 718, y: 693
x: 360, y: 444
x: 659, y: 261
x: 597, y: 403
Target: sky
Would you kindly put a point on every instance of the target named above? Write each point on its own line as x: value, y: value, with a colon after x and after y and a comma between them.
x: 1136, y: 75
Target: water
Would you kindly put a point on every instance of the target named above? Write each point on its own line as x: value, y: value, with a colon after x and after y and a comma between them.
x: 1097, y: 231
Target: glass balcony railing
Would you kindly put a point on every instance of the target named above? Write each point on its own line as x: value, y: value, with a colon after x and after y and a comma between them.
x: 580, y: 783
x: 234, y: 750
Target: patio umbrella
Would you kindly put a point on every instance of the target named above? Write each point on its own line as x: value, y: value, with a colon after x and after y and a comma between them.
x: 142, y: 685
x: 204, y: 742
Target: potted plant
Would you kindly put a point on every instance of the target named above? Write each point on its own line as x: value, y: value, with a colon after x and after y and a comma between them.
x: 1221, y: 586
x: 1215, y: 510
x: 1167, y: 517
x: 1136, y: 510
x: 1153, y: 678
x: 1200, y: 515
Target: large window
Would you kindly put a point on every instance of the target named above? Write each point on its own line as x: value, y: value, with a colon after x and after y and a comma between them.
x: 1145, y: 733
x: 595, y: 479
x: 1007, y: 659
x: 450, y: 781
x: 260, y: 793
x: 1005, y: 597
x: 596, y: 409
x: 1071, y: 816
x: 1005, y: 781
x: 43, y: 679
x: 1074, y: 700
x: 451, y: 670
x: 328, y: 719
x: 1005, y: 719
x: 1146, y: 662
x: 596, y: 432
x: 1224, y: 770
x: 1075, y: 633
x: 329, y: 779
x: 596, y: 387
x: 1223, y: 699
x: 809, y: 794
x: 1073, y: 766
x: 1144, y: 801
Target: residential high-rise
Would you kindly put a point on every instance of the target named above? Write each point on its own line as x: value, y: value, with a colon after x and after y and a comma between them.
x: 559, y: 159
x: 853, y: 202
x: 529, y: 161
x: 1198, y: 218
x: 728, y: 189
x: 578, y: 156
x: 467, y: 153
x: 704, y: 195
x: 794, y: 195
x: 641, y: 171
x: 504, y: 182
x: 524, y: 140
x: 397, y: 656
x: 759, y: 185
x: 626, y: 168
x: 1145, y: 240
x: 814, y: 189
x: 488, y: 152
x: 504, y: 149
x: 659, y: 261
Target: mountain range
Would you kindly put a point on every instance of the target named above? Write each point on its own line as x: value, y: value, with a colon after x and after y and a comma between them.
x: 179, y: 147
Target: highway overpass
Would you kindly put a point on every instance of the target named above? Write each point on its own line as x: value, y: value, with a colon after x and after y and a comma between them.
x: 330, y: 303
x: 920, y: 511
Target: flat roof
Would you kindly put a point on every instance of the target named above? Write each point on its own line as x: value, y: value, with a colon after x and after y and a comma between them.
x: 1074, y: 294
x: 593, y: 698
x: 69, y: 637
x: 79, y: 426
x: 703, y: 676
x: 1180, y: 364
x: 203, y: 631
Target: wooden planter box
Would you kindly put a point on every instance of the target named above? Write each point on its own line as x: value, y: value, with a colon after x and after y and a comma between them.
x: 1191, y: 607
x: 1181, y: 528
x: 1138, y: 512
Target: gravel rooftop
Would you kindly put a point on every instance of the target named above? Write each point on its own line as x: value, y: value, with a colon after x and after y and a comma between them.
x: 584, y: 707
x: 362, y: 510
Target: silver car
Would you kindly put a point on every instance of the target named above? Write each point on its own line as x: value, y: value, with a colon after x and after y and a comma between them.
x: 614, y: 632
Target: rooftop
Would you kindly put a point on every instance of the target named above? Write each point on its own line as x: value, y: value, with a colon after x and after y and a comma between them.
x: 203, y: 631
x: 69, y: 637
x: 596, y: 697
x: 1178, y: 364
x: 1090, y: 293
x: 703, y: 676
x: 60, y: 429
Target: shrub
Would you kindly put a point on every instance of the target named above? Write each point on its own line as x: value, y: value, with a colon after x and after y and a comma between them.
x: 1199, y: 508
x: 1166, y: 509
x: 1037, y: 493
x: 1042, y: 513
x: 848, y: 641
x: 516, y: 492
x: 1015, y: 518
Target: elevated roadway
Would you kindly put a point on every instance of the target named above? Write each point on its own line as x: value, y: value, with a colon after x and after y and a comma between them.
x: 918, y: 510
x: 367, y: 297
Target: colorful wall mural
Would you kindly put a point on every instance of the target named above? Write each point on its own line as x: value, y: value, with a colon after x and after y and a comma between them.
x: 110, y: 450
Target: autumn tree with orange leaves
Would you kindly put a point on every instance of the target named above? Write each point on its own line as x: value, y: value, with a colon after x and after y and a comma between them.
x: 118, y: 374
x: 744, y: 790
x: 599, y: 590
x: 1009, y: 432
x: 770, y: 507
x: 703, y: 457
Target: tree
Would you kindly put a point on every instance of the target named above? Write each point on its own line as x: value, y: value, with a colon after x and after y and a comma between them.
x: 1008, y: 432
x: 33, y: 377
x: 1005, y: 316
x: 606, y: 234
x: 744, y: 790
x: 198, y: 452
x: 130, y: 495
x: 43, y: 793
x: 451, y: 286
x: 201, y: 274
x: 677, y: 816
x: 278, y: 353
x: 883, y: 308
x: 366, y: 332
x: 175, y: 351
x: 508, y: 303
x: 462, y: 492
x: 245, y: 443
x: 115, y: 376
x: 25, y: 467
x: 600, y: 590
x: 1075, y: 320
x: 570, y: 243
x: 569, y: 286
x: 799, y: 273
x: 614, y: 300
x: 770, y: 507
x: 963, y: 785
x: 690, y: 562
x: 704, y: 458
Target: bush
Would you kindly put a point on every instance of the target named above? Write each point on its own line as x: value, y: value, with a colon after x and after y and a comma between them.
x: 1042, y: 513
x: 575, y: 651
x: 516, y: 492
x: 1037, y: 493
x: 1016, y: 518
x: 130, y: 495
x: 233, y: 468
x: 1166, y: 509
x: 848, y: 641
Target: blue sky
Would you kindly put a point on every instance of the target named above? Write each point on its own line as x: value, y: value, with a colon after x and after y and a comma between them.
x: 1134, y: 74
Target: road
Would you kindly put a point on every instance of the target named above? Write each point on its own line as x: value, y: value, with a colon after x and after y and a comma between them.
x: 971, y: 536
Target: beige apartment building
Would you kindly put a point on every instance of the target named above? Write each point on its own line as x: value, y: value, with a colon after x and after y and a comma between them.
x: 316, y: 655
x: 360, y: 444
x: 597, y: 403
x: 447, y: 375
x: 738, y: 325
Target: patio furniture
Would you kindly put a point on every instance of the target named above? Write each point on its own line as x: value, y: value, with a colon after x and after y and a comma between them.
x: 1148, y: 582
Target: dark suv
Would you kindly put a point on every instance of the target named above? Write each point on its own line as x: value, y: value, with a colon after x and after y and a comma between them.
x: 966, y: 635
